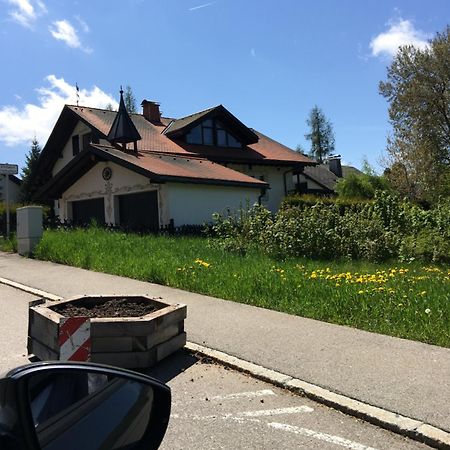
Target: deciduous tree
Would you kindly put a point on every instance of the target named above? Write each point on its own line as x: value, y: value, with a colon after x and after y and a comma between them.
x: 418, y: 91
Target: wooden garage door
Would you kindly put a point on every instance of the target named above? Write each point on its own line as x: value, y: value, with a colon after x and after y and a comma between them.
x: 84, y: 211
x: 139, y: 212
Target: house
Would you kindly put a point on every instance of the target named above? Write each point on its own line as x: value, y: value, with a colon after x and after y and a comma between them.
x: 13, y: 188
x: 147, y: 171
x: 322, y: 178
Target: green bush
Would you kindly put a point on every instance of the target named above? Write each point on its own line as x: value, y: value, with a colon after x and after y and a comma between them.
x: 308, y: 200
x: 379, y: 230
x: 12, y: 216
x: 8, y: 245
x: 428, y: 245
x: 361, y: 186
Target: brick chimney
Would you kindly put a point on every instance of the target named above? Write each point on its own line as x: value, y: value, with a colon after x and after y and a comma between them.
x: 334, y: 164
x: 151, y: 112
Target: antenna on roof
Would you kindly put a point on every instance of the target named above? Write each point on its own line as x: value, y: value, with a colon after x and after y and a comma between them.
x: 78, y: 93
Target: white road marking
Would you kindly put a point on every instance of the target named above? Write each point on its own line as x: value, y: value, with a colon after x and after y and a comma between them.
x: 251, y: 394
x: 337, y: 440
x: 276, y: 412
x: 250, y: 415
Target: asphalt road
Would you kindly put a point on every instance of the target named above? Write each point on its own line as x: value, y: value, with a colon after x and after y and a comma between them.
x: 218, y: 408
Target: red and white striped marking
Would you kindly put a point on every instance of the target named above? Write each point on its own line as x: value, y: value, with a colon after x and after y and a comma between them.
x: 74, y: 339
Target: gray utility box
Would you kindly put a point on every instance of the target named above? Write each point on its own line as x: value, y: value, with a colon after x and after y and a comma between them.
x: 29, y: 228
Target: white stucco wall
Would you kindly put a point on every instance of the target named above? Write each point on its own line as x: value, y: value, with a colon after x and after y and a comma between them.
x: 14, y: 190
x: 273, y: 176
x: 92, y: 185
x: 186, y: 204
x: 67, y: 153
x: 191, y: 204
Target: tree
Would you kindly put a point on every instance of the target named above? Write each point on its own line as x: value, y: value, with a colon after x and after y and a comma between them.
x: 130, y: 100
x: 418, y: 92
x: 321, y: 134
x: 364, y: 185
x: 31, y: 178
x: 361, y: 186
x: 300, y: 149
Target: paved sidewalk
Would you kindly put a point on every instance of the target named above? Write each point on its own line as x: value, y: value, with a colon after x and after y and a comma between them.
x: 405, y: 377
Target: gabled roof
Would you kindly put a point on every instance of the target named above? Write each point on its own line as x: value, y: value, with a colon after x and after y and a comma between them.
x: 180, y: 126
x: 265, y: 151
x: 159, y: 167
x: 161, y: 156
x: 323, y: 176
x: 15, y: 180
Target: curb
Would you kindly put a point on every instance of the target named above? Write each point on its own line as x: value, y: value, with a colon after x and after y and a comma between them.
x: 405, y: 426
x: 414, y: 429
x: 30, y: 290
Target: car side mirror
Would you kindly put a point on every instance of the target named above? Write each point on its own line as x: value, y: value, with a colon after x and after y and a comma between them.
x: 50, y: 406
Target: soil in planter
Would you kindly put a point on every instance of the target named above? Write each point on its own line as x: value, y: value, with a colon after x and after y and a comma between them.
x: 115, y: 307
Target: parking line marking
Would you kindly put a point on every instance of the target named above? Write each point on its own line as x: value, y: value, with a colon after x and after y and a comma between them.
x: 337, y: 440
x: 251, y: 394
x: 276, y: 412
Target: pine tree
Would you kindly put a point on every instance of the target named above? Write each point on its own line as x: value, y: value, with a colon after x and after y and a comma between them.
x: 321, y: 135
x: 31, y: 179
x: 130, y: 100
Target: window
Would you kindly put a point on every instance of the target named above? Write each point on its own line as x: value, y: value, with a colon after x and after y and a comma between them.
x: 212, y: 132
x: 195, y: 135
x: 88, y: 138
x: 75, y: 145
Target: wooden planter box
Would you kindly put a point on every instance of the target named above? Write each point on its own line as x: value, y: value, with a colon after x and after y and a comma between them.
x: 130, y: 342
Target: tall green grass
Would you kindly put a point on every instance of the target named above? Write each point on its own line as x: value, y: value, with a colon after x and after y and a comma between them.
x: 411, y: 301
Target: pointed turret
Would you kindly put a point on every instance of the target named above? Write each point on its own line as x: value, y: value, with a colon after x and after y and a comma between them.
x: 123, y: 130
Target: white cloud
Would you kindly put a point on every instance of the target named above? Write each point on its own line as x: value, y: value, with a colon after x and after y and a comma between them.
x: 63, y: 30
x: 205, y: 5
x: 84, y: 26
x: 400, y: 32
x: 253, y: 52
x: 19, y: 125
x: 25, y: 12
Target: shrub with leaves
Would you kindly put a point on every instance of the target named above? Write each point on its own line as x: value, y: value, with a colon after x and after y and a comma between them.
x: 385, y: 228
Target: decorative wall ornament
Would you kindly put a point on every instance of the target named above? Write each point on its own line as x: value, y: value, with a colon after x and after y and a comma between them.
x: 107, y: 173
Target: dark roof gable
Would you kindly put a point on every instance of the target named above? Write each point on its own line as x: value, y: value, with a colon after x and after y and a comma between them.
x: 179, y: 127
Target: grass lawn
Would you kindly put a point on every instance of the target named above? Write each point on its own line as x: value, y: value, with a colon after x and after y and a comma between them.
x: 410, y: 301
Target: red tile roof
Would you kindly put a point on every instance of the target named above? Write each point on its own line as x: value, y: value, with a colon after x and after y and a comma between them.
x: 165, y: 166
x: 265, y: 150
x: 167, y: 158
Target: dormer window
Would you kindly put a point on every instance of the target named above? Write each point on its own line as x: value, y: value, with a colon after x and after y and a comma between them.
x: 212, y: 132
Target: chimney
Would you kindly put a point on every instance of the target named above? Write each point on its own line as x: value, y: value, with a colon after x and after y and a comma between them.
x: 151, y: 112
x: 334, y: 165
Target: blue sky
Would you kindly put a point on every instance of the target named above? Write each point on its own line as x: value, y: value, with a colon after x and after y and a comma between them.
x: 268, y: 62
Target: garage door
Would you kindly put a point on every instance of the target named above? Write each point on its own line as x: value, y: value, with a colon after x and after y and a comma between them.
x: 139, y: 212
x: 84, y: 211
